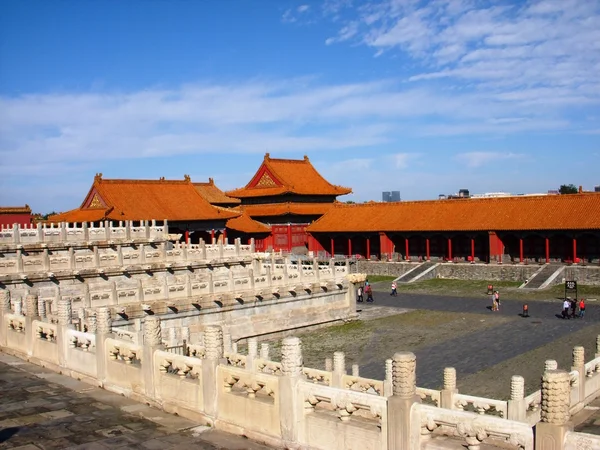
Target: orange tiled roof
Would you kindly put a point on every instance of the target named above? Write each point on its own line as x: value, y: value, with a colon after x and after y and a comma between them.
x: 245, y: 224
x: 15, y: 209
x: 174, y: 200
x: 281, y: 209
x: 212, y: 194
x: 566, y: 212
x: 280, y: 176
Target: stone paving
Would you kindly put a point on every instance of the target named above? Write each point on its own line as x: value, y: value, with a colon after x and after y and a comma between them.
x: 40, y: 409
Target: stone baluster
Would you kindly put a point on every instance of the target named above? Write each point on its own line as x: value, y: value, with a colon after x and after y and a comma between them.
x: 227, y: 343
x: 16, y: 233
x: 71, y: 257
x: 120, y: 255
x: 45, y: 259
x: 211, y: 283
x: 19, y: 260
x: 264, y: 350
x: 103, y: 321
x: 31, y: 306
x: 269, y: 277
x: 17, y: 307
x: 96, y: 257
x: 185, y: 335
x: 87, y: 299
x: 355, y: 370
x: 237, y: 243
x: 92, y: 323
x: 550, y: 364
x: 291, y: 404
x: 42, y: 309
x: 579, y: 366
x: 316, y: 270
x: 556, y: 393
x: 107, y: 228
x: 234, y: 347
x: 252, y: 353
x: 40, y: 233
x: 252, y: 246
x: 387, y: 383
x: 142, y: 251
x: 152, y: 341
x: 401, y: 436
x: 286, y: 275
x: 339, y: 369
x: 5, y: 300
x: 449, y: 389
x: 171, y: 337
x: 63, y: 231
x: 213, y: 344
x: 517, y: 410
x: 329, y: 364
x: 147, y: 229
x: 220, y: 247
x: 598, y: 346
x: 65, y: 312
x: 86, y: 231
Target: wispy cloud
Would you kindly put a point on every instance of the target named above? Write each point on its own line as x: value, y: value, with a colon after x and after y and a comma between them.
x: 478, y: 159
x: 403, y: 160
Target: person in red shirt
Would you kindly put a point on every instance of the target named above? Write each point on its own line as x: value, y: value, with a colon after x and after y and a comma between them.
x: 581, y: 308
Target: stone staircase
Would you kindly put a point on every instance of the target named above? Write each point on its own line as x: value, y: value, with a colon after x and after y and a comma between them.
x: 411, y: 275
x: 542, y: 276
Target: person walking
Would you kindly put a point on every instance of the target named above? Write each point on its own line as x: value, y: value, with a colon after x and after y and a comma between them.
x: 573, y: 307
x: 566, y: 306
x: 581, y: 308
x: 369, y: 292
x: 394, y: 289
x: 497, y: 299
x: 359, y: 294
x: 494, y: 302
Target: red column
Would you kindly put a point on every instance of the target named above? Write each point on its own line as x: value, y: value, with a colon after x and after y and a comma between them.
x: 574, y: 250
x: 385, y: 244
x: 349, y: 246
x: 289, y: 237
x: 427, y: 249
x: 450, y: 249
x: 472, y: 249
x: 212, y: 236
x: 332, y: 247
x: 187, y: 236
x: 547, y: 250
x: 224, y: 234
x: 406, y: 248
x: 520, y: 249
x: 368, y: 248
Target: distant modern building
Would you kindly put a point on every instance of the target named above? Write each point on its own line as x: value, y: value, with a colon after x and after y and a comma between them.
x: 390, y: 196
x: 596, y: 188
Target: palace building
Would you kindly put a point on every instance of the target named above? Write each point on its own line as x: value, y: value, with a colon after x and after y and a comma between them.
x: 288, y: 195
x: 190, y: 208
x: 540, y: 228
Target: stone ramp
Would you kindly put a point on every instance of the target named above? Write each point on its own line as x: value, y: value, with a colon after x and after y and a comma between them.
x: 543, y: 276
x: 415, y: 273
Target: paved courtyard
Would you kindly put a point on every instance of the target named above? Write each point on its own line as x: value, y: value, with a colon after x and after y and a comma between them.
x: 40, y: 409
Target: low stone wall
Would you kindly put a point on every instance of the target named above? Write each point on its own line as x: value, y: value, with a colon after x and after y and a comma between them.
x: 494, y: 272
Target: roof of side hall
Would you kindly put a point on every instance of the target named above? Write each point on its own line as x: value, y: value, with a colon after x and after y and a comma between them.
x: 115, y: 199
x: 559, y: 212
x: 283, y: 176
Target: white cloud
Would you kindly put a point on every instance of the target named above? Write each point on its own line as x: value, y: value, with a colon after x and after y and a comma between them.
x: 478, y: 159
x: 303, y: 8
x: 403, y: 160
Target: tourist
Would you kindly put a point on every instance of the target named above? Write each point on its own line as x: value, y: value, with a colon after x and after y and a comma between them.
x: 581, y: 308
x: 573, y: 307
x: 369, y: 292
x: 497, y: 298
x: 359, y: 294
x: 566, y: 306
x: 394, y: 289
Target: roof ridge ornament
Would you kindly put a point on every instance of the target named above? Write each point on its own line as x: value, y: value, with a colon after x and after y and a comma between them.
x: 98, y: 176
x: 186, y: 178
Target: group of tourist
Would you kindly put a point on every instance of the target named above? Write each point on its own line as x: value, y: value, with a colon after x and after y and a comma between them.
x: 366, y: 290
x: 571, y: 304
x: 496, y: 301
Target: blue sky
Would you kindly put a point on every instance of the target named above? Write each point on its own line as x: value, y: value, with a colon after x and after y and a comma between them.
x: 425, y: 97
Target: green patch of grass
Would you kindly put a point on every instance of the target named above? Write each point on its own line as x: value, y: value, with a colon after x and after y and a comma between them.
x: 378, y: 278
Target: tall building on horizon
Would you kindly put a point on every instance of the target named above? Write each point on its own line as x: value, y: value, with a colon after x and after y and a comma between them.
x: 390, y: 196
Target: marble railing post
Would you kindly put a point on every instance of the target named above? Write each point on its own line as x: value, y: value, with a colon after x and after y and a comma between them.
x: 252, y: 353
x: 4, y: 309
x: 579, y: 365
x: 19, y: 260
x: 31, y: 314
x: 285, y: 271
x: 17, y: 307
x: 152, y: 341
x: 290, y: 402
x: 227, y: 342
x: 355, y: 370
x: 316, y: 270
x: 339, y: 369
x: 556, y: 392
x: 213, y: 344
x: 329, y: 364
x: 65, y: 312
x: 550, y: 364
x: 86, y: 231
x: 400, y: 434
x: 237, y: 242
x: 598, y: 346
x: 45, y: 259
x: 264, y: 350
x: 387, y: 383
x: 220, y: 247
x: 449, y: 390
x: 103, y: 331
x: 42, y: 309
x: 517, y: 410
x: 252, y: 246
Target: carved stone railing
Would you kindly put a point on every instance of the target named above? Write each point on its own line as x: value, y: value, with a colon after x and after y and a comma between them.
x: 581, y: 441
x: 184, y: 367
x: 197, y: 350
x: 364, y: 385
x: 533, y: 403
x: 429, y: 396
x: 235, y: 359
x: 346, y: 403
x: 45, y: 331
x: 473, y: 428
x: 125, y: 352
x: 267, y: 366
x: 126, y: 335
x: 82, y: 341
x: 592, y: 367
x: 480, y: 405
x: 15, y: 322
x: 317, y: 376
x: 236, y: 380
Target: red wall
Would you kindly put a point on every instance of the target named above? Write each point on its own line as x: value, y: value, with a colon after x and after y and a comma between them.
x: 283, y: 237
x: 10, y: 219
